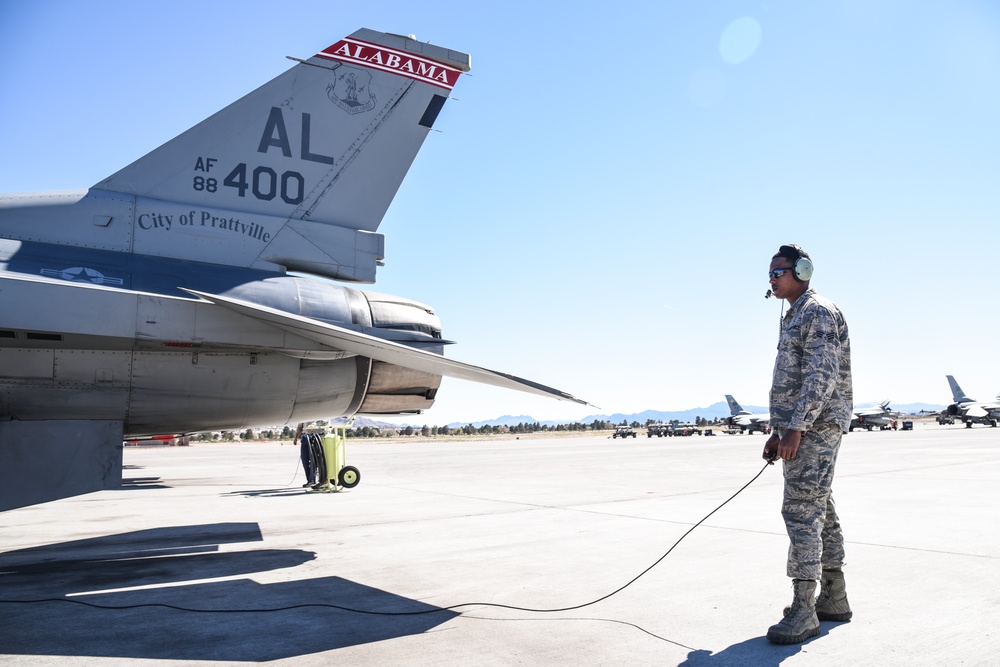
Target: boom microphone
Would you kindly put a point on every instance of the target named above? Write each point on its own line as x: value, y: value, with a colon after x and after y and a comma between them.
x: 767, y: 294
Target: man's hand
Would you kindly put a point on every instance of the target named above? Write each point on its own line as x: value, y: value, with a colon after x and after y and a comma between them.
x: 771, y: 448
x: 788, y: 446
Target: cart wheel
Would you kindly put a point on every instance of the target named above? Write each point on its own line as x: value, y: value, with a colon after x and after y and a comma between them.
x: 349, y: 477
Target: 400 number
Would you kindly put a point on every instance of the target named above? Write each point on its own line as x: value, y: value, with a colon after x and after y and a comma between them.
x: 264, y: 183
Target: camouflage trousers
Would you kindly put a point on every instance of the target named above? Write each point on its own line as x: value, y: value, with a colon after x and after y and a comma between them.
x: 816, y: 540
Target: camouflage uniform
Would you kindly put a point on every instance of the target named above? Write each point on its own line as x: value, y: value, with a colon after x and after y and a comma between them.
x: 811, y: 392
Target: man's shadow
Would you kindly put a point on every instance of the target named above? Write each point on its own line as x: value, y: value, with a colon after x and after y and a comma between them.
x: 757, y: 651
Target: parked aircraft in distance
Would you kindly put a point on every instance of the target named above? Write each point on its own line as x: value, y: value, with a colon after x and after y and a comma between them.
x: 880, y: 417
x: 743, y: 420
x: 969, y: 409
x: 190, y: 291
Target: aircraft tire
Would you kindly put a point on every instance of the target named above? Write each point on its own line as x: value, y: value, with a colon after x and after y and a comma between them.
x: 349, y: 477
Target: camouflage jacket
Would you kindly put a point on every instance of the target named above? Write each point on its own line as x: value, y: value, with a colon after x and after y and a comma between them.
x: 812, y: 372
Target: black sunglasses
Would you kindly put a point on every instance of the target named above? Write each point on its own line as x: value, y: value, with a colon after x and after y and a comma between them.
x: 774, y: 274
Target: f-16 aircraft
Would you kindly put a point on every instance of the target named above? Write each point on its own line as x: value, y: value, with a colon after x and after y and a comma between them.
x: 969, y: 409
x: 192, y: 290
x: 880, y: 417
x: 745, y: 421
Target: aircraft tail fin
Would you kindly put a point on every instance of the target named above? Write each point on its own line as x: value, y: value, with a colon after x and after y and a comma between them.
x: 735, y: 409
x: 299, y: 173
x: 957, y: 394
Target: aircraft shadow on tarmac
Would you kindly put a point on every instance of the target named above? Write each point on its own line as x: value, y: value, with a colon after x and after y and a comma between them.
x: 170, y: 556
x: 141, y: 482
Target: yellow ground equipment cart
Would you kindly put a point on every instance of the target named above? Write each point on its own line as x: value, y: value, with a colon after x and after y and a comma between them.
x: 327, y: 451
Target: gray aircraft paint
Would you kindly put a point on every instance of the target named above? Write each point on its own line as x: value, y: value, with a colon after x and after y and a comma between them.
x: 744, y: 419
x: 160, y: 301
x: 971, y: 410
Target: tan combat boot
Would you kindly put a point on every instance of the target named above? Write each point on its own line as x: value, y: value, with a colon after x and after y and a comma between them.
x: 800, y: 623
x: 832, y: 604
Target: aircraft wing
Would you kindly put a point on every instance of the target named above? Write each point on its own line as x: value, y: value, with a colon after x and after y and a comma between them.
x: 381, y: 349
x: 977, y: 410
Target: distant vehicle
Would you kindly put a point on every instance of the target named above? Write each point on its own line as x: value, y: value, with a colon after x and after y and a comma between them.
x: 623, y: 432
x: 744, y: 421
x: 679, y: 429
x: 969, y: 409
x: 173, y: 440
x: 658, y: 429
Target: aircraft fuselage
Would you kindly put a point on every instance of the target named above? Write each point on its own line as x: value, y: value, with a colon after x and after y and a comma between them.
x: 117, y: 336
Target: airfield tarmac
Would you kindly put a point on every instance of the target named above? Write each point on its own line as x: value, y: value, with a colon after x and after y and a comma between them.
x: 543, y: 523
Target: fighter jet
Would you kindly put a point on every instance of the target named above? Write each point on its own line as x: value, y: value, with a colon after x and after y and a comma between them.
x: 880, y: 417
x: 193, y: 289
x: 745, y: 421
x: 969, y: 409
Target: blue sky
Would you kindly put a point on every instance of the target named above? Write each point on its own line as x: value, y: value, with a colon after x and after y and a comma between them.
x: 599, y: 206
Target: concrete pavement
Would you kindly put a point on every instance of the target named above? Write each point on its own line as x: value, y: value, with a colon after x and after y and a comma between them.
x: 215, y: 553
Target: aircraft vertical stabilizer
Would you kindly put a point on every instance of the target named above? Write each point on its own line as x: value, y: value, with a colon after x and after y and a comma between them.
x: 957, y: 394
x: 160, y: 301
x: 299, y: 173
x: 734, y: 407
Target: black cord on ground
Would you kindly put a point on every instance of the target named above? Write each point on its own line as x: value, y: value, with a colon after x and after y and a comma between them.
x: 435, y: 610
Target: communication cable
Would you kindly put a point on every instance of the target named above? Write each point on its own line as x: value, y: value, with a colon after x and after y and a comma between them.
x: 423, y: 612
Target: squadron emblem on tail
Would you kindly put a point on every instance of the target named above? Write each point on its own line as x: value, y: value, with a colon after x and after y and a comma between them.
x: 351, y: 91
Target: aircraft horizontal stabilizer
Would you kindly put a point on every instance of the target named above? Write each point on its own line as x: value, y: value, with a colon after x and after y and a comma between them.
x: 381, y: 349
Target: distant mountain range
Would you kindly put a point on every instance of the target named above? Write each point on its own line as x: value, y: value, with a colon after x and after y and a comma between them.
x: 718, y: 410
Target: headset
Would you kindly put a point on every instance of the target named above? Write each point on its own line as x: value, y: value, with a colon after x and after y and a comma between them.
x: 803, y: 268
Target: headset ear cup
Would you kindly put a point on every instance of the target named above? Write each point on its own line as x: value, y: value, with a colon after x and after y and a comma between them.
x: 803, y: 269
